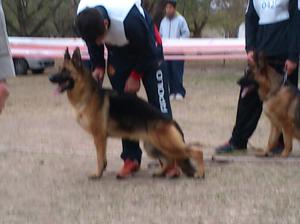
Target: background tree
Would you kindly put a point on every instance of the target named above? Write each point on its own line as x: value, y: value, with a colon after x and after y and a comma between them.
x: 228, y: 15
x: 29, y: 17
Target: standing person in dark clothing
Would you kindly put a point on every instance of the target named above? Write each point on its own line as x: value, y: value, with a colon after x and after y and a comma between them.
x: 271, y: 28
x: 134, y: 55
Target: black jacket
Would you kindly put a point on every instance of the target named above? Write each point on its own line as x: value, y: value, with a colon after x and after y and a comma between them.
x: 273, y: 27
x: 142, y: 45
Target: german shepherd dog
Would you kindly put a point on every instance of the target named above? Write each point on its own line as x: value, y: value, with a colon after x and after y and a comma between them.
x: 281, y: 102
x: 104, y: 113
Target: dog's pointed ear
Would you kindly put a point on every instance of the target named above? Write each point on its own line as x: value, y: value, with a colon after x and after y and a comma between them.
x: 67, y: 56
x: 76, y: 58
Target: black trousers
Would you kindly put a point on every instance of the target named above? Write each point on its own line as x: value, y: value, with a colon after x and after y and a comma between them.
x: 155, y: 82
x: 175, y: 71
x: 250, y: 107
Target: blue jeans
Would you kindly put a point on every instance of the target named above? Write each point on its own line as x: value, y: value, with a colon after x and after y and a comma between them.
x: 175, y: 71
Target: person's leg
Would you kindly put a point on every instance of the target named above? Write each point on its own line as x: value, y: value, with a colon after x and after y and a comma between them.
x: 248, y: 113
x: 178, y: 70
x: 131, y: 149
x: 170, y: 74
x: 156, y: 86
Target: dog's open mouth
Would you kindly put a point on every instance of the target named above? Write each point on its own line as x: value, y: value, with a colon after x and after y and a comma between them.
x: 64, y: 86
x: 64, y: 82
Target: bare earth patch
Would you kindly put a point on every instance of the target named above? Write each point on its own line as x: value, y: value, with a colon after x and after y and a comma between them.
x: 45, y: 158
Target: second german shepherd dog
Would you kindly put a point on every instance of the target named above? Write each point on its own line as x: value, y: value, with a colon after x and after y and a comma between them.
x: 104, y: 113
x: 281, y: 103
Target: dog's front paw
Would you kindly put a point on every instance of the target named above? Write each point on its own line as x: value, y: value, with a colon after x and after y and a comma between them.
x: 263, y: 154
x: 199, y: 175
x: 94, y: 177
x: 285, y: 154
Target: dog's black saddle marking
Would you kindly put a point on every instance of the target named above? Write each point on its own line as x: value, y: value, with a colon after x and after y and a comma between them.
x: 131, y: 112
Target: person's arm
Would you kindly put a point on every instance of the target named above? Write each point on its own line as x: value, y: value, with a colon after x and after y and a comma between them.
x: 251, y: 27
x: 96, y: 55
x: 141, y: 37
x: 98, y: 62
x: 294, y: 31
x: 184, y: 29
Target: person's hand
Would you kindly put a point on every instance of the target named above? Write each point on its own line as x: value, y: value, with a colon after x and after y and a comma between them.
x: 290, y: 66
x: 250, y: 57
x: 4, y: 93
x: 98, y: 74
x: 132, y: 85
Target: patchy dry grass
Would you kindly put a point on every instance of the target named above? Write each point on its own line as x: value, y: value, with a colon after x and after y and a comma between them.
x: 45, y: 159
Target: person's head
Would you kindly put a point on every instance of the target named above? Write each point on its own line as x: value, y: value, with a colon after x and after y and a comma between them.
x: 92, y: 25
x: 171, y: 8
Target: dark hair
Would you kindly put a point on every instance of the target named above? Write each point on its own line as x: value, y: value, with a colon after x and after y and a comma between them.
x: 90, y: 24
x: 172, y: 2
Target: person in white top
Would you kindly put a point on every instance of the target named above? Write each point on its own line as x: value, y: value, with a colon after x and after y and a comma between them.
x: 174, y: 26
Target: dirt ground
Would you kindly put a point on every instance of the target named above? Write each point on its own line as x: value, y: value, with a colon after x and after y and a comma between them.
x: 45, y: 159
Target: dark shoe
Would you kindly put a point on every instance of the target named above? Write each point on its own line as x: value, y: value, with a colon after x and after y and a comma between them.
x: 228, y: 148
x: 129, y: 168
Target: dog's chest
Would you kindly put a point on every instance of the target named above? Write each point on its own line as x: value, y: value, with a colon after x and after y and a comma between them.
x: 83, y: 120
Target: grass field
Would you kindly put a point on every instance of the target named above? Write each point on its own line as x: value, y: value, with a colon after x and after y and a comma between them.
x: 45, y: 159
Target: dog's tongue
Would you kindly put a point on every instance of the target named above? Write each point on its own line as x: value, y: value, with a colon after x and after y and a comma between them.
x: 57, y: 91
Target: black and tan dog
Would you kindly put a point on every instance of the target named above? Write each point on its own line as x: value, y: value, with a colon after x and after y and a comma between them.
x: 281, y: 103
x: 104, y: 113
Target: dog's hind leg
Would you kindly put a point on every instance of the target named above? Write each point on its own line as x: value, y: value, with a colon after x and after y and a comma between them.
x: 100, y: 143
x: 272, y: 142
x: 169, y: 140
x: 165, y: 163
x: 288, y: 140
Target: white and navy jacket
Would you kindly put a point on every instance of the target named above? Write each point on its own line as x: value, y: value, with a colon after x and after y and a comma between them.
x: 130, y: 34
x: 273, y: 26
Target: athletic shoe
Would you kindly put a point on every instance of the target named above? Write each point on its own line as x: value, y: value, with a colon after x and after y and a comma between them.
x: 172, y: 97
x: 228, y: 148
x: 179, y: 97
x: 129, y: 168
x: 173, y: 172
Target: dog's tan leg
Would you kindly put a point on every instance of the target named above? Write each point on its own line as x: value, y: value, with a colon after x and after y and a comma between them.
x: 273, y: 140
x: 170, y: 142
x: 288, y: 140
x: 100, y: 143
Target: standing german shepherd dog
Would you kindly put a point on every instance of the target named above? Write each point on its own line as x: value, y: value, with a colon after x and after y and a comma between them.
x: 104, y: 113
x: 281, y: 103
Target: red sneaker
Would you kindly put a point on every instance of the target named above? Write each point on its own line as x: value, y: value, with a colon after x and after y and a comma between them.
x: 173, y: 172
x: 129, y: 168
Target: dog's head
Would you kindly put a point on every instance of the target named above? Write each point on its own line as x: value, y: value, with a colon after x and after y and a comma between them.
x: 71, y: 72
x: 262, y: 75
